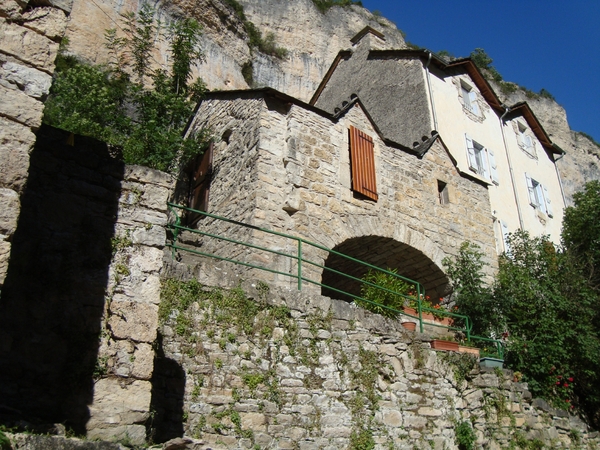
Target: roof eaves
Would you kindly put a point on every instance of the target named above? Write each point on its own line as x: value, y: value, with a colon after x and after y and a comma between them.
x: 523, y: 109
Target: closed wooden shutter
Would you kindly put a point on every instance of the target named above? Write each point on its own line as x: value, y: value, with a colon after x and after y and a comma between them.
x: 200, y: 184
x: 362, y: 162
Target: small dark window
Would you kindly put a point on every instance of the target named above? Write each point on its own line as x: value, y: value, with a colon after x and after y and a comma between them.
x: 443, y: 193
x: 200, y: 176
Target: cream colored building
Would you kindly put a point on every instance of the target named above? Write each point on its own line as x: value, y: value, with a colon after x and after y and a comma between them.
x: 415, y: 96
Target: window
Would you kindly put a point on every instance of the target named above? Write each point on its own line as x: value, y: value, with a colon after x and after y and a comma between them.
x: 538, y: 196
x: 525, y: 140
x: 482, y: 160
x: 200, y: 176
x: 362, y: 164
x: 469, y: 98
x: 505, y: 236
x: 443, y: 194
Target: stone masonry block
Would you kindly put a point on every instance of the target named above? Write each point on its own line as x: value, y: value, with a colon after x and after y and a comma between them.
x: 9, y: 211
x: 118, y: 402
x: 27, y: 45
x: 16, y: 141
x: 4, y: 256
x: 33, y: 82
x: 20, y: 107
x: 50, y: 22
x: 12, y: 9
x: 132, y: 320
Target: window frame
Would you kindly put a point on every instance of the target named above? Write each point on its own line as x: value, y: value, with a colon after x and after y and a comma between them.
x: 525, y: 141
x: 200, y: 175
x: 482, y: 160
x: 469, y: 97
x: 539, y: 197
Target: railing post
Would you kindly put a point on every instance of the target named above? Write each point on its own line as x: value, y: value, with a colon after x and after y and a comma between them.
x: 299, y: 265
x: 419, y: 307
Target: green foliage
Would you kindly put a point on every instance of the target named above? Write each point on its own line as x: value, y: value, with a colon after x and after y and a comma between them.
x: 473, y: 297
x: 362, y: 439
x: 544, y: 93
x: 383, y: 293
x: 144, y: 116
x: 325, y: 5
x: 464, y: 436
x: 543, y: 305
x: 581, y: 231
x: 482, y: 60
x: 265, y: 45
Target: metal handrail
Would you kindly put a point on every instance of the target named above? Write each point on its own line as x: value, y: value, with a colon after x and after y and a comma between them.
x: 300, y: 259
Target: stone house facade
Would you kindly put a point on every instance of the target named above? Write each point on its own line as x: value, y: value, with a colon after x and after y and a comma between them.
x: 287, y: 166
x: 413, y: 94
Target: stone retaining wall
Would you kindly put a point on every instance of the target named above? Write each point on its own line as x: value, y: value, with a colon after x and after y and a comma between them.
x: 78, y: 316
x: 324, y: 375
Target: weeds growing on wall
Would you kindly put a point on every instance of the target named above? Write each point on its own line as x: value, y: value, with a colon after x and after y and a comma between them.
x: 464, y: 436
x: 141, y: 111
x: 325, y: 5
x: 266, y: 44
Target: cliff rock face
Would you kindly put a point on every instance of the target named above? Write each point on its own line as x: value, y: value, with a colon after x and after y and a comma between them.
x: 312, y: 40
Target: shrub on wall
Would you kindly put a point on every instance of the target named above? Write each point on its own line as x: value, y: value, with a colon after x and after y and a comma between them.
x: 141, y: 111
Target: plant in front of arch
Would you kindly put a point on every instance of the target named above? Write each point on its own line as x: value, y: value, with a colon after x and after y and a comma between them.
x: 383, y: 293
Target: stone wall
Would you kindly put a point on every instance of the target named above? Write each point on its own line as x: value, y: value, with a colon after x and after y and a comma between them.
x: 293, y: 176
x: 79, y: 310
x: 309, y: 372
x: 29, y: 40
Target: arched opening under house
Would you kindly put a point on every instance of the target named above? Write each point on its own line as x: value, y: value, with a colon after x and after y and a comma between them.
x: 384, y: 253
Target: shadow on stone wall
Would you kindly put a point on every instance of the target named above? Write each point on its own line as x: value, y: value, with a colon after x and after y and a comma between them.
x: 168, y: 390
x: 53, y: 298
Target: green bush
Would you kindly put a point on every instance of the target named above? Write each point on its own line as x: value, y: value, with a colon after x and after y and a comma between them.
x: 325, y: 5
x: 127, y: 104
x: 378, y: 298
x: 465, y: 436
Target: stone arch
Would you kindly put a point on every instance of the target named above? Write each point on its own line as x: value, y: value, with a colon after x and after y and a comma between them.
x: 410, y: 252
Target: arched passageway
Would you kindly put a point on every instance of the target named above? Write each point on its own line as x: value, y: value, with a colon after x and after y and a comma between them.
x: 385, y: 253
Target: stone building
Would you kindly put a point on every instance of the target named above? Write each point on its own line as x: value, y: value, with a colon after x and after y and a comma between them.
x: 412, y: 94
x: 338, y: 181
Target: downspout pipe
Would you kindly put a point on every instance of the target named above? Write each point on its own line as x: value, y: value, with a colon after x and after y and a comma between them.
x: 510, y: 168
x: 562, y: 191
x: 435, y: 122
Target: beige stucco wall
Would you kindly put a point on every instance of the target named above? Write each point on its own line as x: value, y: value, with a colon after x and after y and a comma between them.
x: 541, y: 168
x: 455, y: 122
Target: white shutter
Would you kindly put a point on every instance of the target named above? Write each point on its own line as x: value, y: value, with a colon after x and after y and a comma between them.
x: 505, y: 236
x: 473, y: 102
x: 493, y: 167
x: 531, y: 189
x: 471, y: 155
x: 484, y: 163
x: 547, y: 200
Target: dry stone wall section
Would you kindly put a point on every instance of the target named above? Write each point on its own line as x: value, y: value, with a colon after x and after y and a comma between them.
x: 313, y: 373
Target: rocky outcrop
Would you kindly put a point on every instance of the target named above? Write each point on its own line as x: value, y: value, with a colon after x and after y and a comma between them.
x: 29, y: 41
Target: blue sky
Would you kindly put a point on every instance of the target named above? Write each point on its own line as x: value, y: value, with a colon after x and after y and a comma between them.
x: 552, y: 44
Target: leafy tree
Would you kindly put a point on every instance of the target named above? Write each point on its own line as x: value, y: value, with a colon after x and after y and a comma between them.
x: 473, y: 297
x: 126, y: 103
x: 581, y: 230
x: 545, y: 309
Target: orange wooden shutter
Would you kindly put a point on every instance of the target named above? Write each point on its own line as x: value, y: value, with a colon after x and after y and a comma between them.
x: 200, y: 184
x: 362, y: 163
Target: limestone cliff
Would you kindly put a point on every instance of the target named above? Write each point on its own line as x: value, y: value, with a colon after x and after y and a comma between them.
x: 312, y: 40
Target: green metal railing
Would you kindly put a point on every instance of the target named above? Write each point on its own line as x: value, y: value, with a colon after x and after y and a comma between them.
x: 301, y: 260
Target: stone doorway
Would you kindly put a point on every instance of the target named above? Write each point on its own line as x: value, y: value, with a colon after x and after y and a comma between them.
x: 385, y: 253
